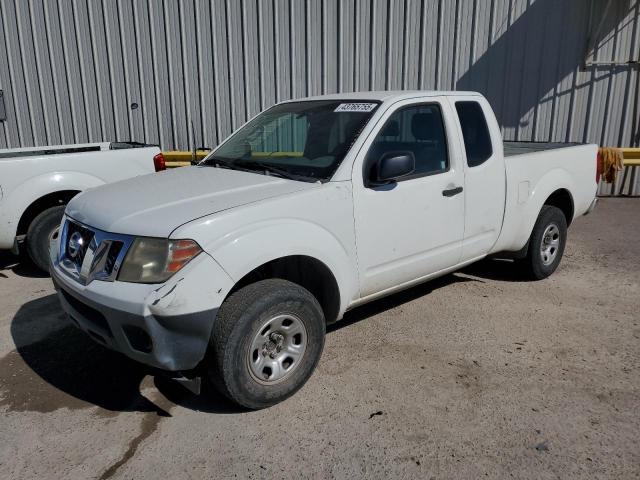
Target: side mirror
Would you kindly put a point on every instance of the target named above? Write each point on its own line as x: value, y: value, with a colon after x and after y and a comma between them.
x: 393, y: 165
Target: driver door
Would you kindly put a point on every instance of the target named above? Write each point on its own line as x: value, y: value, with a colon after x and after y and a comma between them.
x: 413, y: 227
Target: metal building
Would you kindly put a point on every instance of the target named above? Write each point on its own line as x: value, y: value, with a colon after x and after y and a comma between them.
x: 155, y: 71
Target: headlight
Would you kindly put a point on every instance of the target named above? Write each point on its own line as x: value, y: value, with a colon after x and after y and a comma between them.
x: 154, y: 260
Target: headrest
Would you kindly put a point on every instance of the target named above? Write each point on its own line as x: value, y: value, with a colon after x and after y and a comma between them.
x: 391, y: 129
x: 424, y: 126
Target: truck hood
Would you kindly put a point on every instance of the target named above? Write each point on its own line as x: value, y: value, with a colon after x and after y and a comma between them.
x: 154, y: 205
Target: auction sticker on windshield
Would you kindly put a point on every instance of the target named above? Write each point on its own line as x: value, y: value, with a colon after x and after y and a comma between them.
x: 355, y: 107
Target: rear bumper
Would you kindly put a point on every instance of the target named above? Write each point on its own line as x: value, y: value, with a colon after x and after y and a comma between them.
x: 165, y: 326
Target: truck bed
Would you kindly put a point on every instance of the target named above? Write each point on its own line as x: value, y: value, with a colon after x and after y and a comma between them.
x: 14, y: 153
x: 518, y: 148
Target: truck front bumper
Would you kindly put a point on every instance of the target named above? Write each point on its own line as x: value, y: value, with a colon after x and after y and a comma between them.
x: 165, y: 326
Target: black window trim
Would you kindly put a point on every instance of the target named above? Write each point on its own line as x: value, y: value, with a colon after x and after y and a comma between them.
x: 466, y: 155
x: 413, y: 176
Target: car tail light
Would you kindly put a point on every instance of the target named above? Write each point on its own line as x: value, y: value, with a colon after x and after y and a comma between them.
x: 159, y: 163
x: 599, y: 166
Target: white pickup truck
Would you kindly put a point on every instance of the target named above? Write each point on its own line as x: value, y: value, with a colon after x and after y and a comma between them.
x: 312, y: 208
x: 37, y: 182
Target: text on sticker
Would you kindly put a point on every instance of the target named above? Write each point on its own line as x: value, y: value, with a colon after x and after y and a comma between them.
x: 355, y: 107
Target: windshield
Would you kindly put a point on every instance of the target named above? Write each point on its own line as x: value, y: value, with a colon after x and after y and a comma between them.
x: 297, y: 140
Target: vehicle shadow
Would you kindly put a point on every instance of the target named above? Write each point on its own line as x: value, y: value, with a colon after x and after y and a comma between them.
x: 504, y: 270
x: 395, y: 300
x: 72, y: 371
x: 20, y: 265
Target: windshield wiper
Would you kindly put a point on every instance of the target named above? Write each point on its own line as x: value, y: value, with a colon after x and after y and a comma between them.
x: 252, y: 165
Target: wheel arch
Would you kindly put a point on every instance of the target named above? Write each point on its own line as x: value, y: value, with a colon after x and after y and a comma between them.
x: 563, y: 200
x: 303, y: 270
x: 39, y: 205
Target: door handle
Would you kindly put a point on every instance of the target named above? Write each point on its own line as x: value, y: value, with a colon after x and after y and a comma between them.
x: 451, y: 192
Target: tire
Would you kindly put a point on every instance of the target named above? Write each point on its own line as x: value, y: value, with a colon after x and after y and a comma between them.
x: 546, y: 244
x: 40, y: 232
x: 240, y: 355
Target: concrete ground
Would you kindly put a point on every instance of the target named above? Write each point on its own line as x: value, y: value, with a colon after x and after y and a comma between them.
x: 476, y: 374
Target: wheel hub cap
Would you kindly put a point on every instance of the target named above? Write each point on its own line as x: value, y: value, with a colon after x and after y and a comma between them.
x: 277, y: 348
x: 550, y: 244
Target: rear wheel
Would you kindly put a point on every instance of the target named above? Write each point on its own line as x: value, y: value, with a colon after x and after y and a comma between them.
x: 41, y: 231
x: 266, y: 342
x: 546, y: 244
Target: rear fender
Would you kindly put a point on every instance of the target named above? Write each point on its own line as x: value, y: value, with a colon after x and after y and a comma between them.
x: 18, y: 200
x: 524, y: 206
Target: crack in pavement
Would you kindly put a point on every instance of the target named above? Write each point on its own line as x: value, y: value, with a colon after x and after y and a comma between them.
x: 148, y: 426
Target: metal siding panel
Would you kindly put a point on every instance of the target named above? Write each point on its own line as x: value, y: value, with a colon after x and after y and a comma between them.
x: 313, y: 21
x: 190, y: 69
x: 429, y: 35
x: 205, y: 70
x: 27, y: 51
x: 236, y: 64
x: 282, y: 47
x: 252, y: 58
x: 495, y: 59
x: 395, y: 44
x: 102, y: 70
x: 148, y: 92
x: 116, y: 71
x: 10, y: 133
x: 59, y: 72
x: 176, y: 77
x: 87, y: 71
x: 267, y: 49
x: 412, y: 45
x: 549, y: 74
x: 534, y: 59
x: 447, y: 42
x: 74, y: 79
x: 379, y: 35
x: 161, y: 74
x: 346, y: 46
x: 72, y: 68
x: 221, y: 68
x: 131, y: 64
x: 363, y: 48
x: 298, y: 49
x: 515, y: 46
x: 464, y: 47
x: 45, y: 76
x: 18, y: 93
x: 330, y: 46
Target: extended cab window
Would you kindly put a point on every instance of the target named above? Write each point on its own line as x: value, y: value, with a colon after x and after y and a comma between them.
x: 418, y: 129
x: 298, y: 140
x: 477, y: 142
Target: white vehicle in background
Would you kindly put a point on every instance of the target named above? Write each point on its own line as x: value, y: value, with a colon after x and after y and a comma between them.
x: 312, y: 208
x: 36, y: 184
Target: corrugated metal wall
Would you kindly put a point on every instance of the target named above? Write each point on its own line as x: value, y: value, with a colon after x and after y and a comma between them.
x: 147, y: 70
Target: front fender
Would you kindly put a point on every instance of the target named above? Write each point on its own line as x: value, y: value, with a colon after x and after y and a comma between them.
x: 18, y: 200
x: 251, y: 246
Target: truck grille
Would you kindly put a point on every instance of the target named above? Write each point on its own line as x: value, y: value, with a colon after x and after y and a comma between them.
x: 88, y: 254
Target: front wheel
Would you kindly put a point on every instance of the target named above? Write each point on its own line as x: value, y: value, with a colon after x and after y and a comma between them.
x: 42, y: 230
x: 266, y: 342
x: 546, y: 244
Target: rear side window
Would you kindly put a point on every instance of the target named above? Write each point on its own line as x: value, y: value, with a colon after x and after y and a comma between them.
x: 475, y: 132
